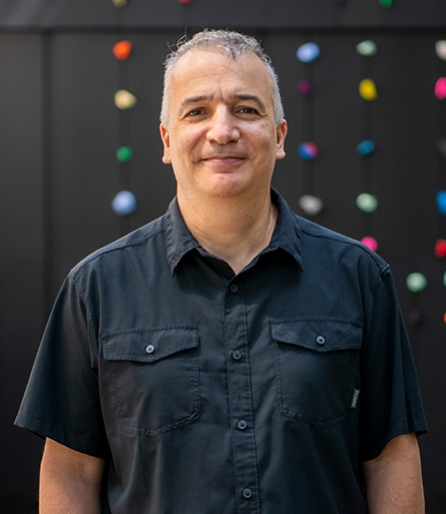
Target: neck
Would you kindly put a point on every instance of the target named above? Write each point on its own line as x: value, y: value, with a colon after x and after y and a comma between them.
x: 233, y: 229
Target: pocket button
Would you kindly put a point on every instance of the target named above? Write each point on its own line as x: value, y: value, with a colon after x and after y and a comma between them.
x: 320, y: 340
x: 150, y: 348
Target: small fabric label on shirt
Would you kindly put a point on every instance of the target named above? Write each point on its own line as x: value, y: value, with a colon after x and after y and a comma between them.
x: 355, y: 398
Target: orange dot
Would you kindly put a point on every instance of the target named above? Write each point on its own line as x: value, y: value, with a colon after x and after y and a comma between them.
x: 123, y: 49
x: 444, y: 317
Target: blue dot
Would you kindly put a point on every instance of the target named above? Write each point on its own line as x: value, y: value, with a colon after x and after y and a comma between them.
x: 124, y: 203
x: 441, y: 202
x: 365, y: 147
x: 308, y: 52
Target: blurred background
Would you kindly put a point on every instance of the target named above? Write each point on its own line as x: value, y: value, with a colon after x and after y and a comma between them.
x: 67, y: 150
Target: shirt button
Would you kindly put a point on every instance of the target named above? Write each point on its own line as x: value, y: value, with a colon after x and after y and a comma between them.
x: 234, y: 288
x: 150, y: 348
x: 242, y: 424
x: 320, y: 340
x: 247, y: 493
x: 236, y: 355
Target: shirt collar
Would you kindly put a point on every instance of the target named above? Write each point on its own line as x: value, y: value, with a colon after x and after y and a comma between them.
x: 286, y: 235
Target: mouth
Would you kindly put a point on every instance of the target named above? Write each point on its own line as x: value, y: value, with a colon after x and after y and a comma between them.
x: 223, y: 160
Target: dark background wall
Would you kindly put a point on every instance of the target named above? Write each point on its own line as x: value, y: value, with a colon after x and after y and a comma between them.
x: 60, y: 129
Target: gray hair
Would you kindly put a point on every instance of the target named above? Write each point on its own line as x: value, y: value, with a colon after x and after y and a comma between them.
x: 234, y: 44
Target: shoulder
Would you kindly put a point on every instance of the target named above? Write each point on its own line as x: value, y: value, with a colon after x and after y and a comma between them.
x: 151, y: 234
x: 332, y: 247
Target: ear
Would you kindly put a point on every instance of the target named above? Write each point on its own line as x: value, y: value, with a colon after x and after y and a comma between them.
x: 281, y: 132
x: 165, y: 137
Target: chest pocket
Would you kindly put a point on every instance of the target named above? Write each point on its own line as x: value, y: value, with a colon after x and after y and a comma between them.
x: 155, y: 378
x: 317, y: 369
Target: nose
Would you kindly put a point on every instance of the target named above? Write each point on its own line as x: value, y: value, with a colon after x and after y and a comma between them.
x: 223, y: 127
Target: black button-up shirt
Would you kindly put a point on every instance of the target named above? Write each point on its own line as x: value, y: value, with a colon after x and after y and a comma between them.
x: 209, y: 392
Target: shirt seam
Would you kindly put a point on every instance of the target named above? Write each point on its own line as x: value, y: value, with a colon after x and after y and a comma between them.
x: 381, y: 265
x: 93, y: 341
x: 115, y: 247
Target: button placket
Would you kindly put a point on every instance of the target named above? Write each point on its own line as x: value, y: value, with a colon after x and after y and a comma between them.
x: 236, y: 355
x: 240, y: 400
x: 242, y: 424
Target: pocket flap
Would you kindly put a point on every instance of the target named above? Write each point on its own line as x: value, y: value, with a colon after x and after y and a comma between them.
x: 149, y: 345
x: 320, y: 335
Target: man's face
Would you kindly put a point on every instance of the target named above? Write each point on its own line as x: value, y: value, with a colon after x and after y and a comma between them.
x: 222, y: 139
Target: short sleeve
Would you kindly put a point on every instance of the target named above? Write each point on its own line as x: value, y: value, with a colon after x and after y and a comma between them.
x: 391, y: 402
x: 61, y: 400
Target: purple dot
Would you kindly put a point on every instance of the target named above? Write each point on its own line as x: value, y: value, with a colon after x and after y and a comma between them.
x: 308, y: 151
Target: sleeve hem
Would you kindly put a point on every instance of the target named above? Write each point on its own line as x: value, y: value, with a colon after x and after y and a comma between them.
x: 79, y: 444
x: 418, y: 427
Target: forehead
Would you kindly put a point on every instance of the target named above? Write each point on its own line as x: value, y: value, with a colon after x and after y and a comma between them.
x: 205, y: 70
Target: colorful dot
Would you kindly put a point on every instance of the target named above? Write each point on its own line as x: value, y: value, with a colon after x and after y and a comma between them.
x: 440, y: 49
x: 125, y: 100
x: 367, y: 202
x: 367, y: 90
x: 122, y: 50
x: 441, y: 202
x: 386, y: 3
x: 416, y: 282
x: 440, y: 248
x: 304, y: 87
x: 124, y: 203
x: 311, y: 205
x: 308, y: 52
x: 119, y: 3
x: 370, y: 242
x: 308, y: 151
x: 365, y: 147
x: 440, y: 88
x: 124, y: 154
x: 367, y: 48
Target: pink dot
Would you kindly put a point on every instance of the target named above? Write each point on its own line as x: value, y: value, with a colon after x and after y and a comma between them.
x: 370, y: 242
x: 440, y: 88
x: 304, y: 86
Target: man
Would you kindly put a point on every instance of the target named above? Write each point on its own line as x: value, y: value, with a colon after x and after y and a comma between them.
x: 228, y: 357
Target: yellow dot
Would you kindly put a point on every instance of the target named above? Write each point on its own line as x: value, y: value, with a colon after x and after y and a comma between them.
x: 124, y: 99
x: 367, y: 90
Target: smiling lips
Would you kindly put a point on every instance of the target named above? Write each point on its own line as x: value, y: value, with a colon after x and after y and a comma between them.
x: 224, y: 159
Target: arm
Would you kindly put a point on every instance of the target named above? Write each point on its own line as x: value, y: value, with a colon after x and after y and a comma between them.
x: 393, y: 480
x: 70, y: 481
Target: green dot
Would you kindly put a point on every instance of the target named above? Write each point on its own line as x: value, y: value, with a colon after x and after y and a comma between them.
x: 386, y: 3
x: 444, y: 279
x: 124, y: 154
x: 367, y: 48
x: 416, y: 282
x: 366, y: 202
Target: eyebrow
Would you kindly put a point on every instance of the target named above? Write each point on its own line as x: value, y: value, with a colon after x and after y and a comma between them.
x: 238, y: 96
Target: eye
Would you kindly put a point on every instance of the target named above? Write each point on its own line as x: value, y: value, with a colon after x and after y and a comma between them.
x: 195, y: 112
x: 247, y: 110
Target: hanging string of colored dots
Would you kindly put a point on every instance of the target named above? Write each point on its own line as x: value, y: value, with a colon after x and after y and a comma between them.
x: 312, y: 205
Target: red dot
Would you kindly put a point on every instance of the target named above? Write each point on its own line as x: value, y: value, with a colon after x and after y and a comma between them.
x: 122, y: 50
x: 440, y: 248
